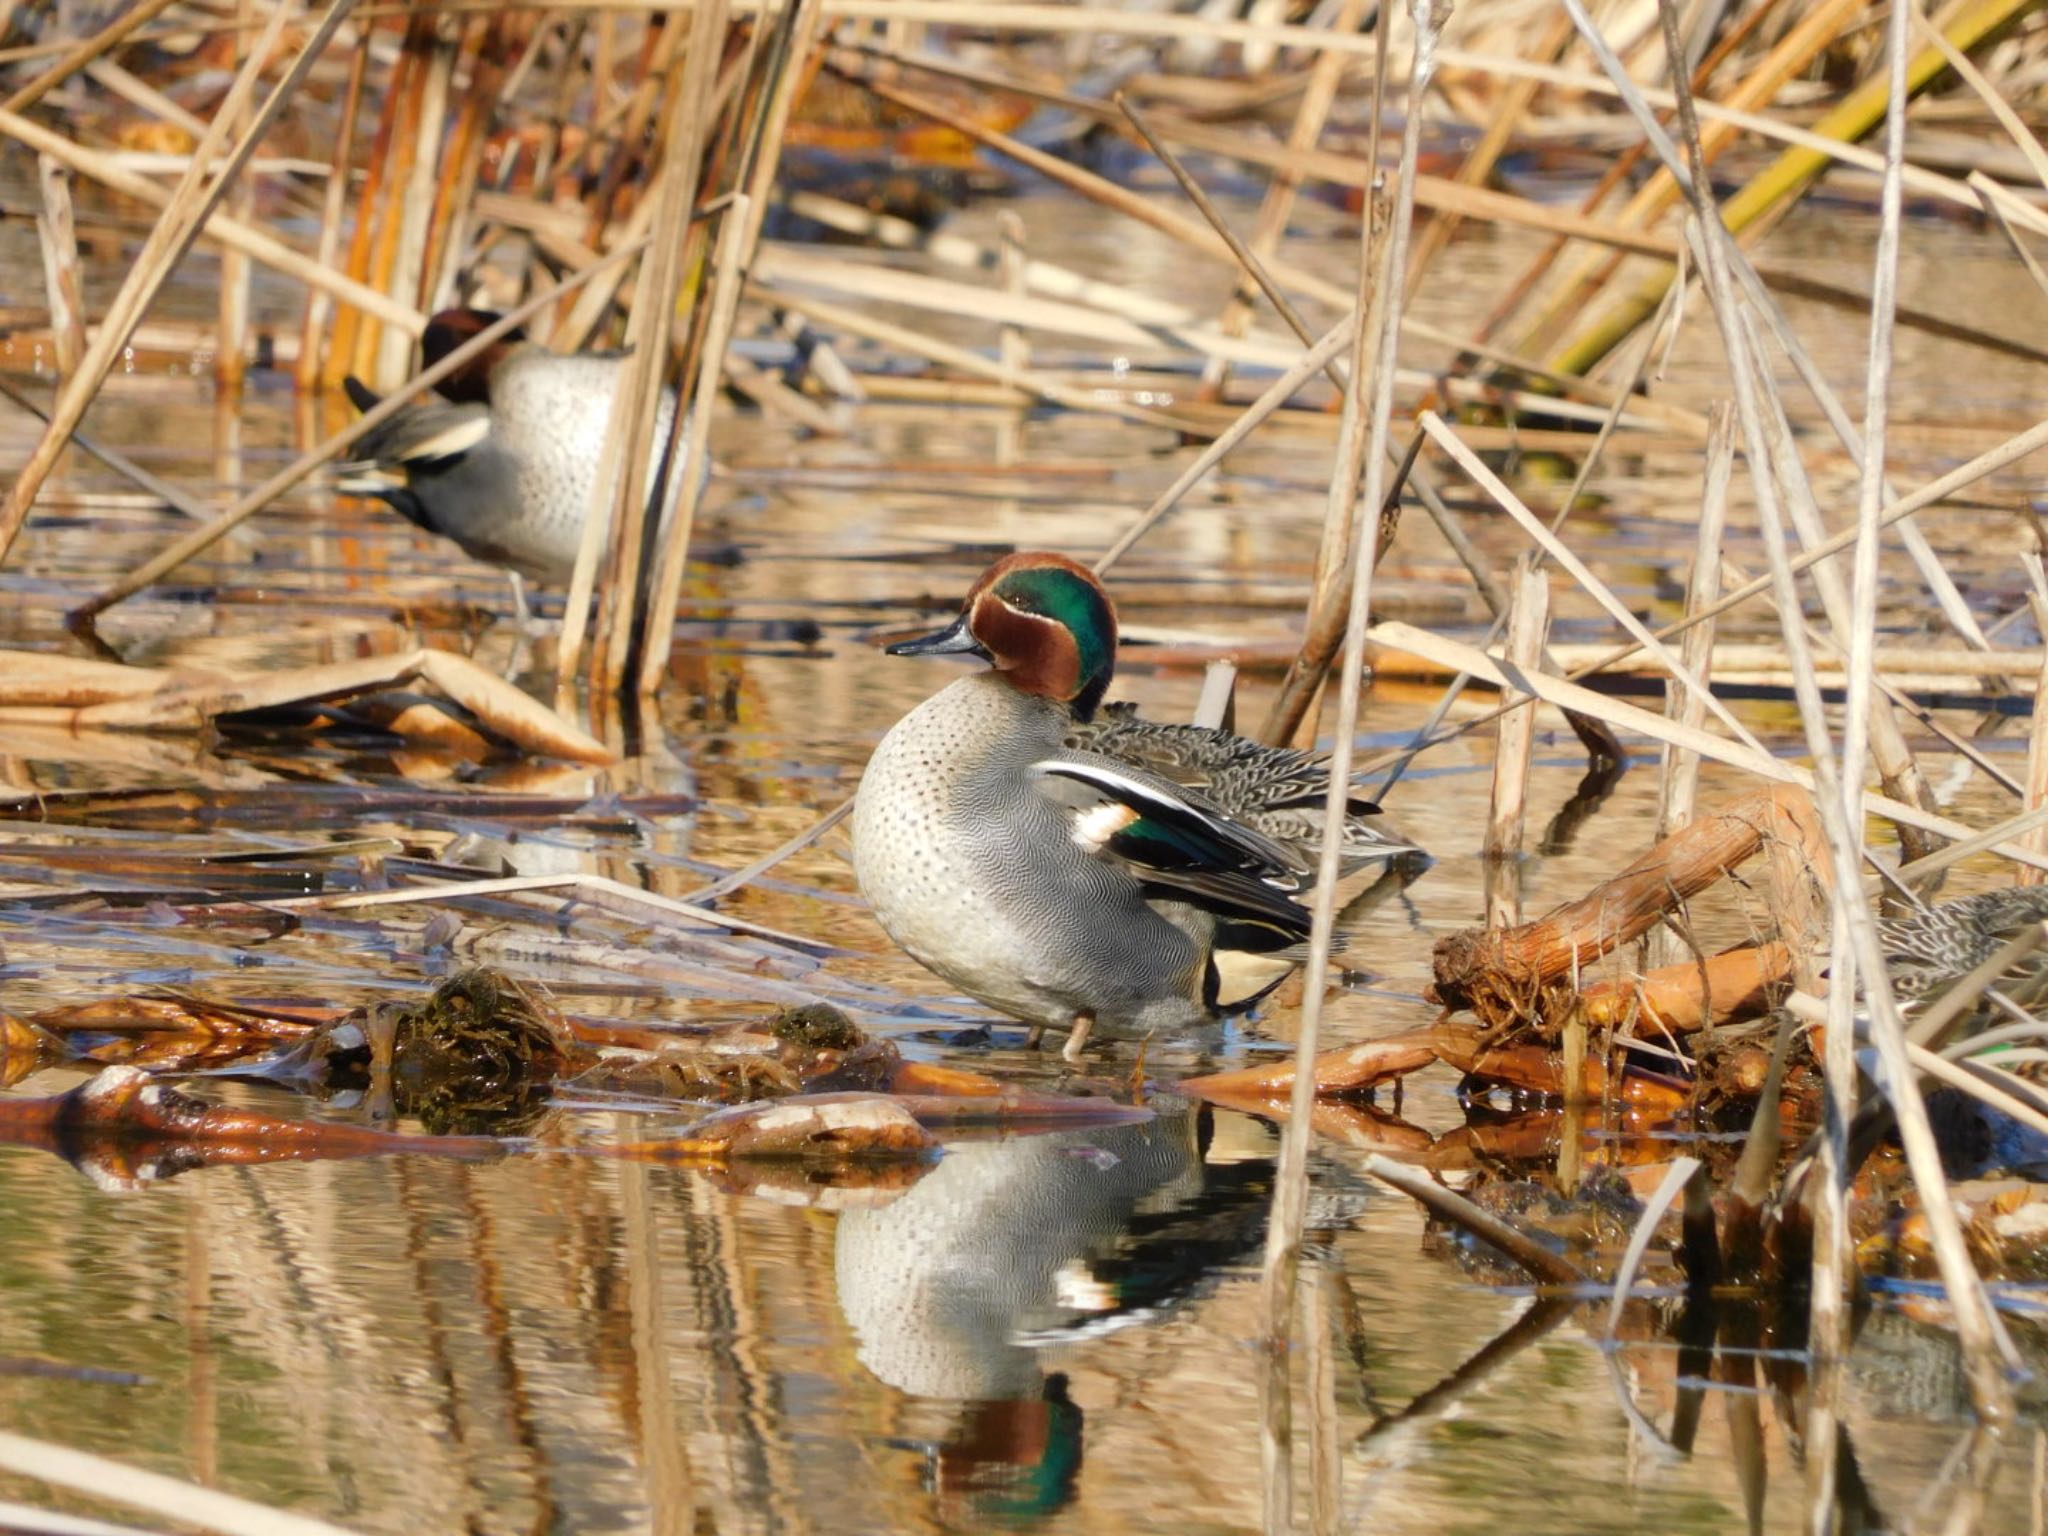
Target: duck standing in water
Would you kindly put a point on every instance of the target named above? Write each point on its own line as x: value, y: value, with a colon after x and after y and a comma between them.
x: 1076, y: 867
x: 505, y: 462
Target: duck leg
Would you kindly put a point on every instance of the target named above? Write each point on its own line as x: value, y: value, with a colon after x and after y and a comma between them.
x: 1033, y: 1036
x: 1077, y: 1037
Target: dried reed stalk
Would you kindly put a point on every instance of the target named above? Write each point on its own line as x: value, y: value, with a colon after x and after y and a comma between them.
x: 58, y: 237
x: 662, y: 275
x: 118, y: 462
x: 2036, y: 796
x: 857, y: 323
x: 1574, y: 288
x: 84, y: 52
x: 1571, y: 696
x: 693, y: 468
x: 1791, y: 173
x: 574, y: 330
x: 1256, y: 278
x: 1953, y: 605
x: 313, y: 331
x: 1324, y: 76
x: 230, y: 353
x: 1283, y: 1231
x: 1435, y: 427
x: 482, y: 62
x: 1528, y: 625
x: 219, y: 228
x: 1982, y: 1336
x: 341, y: 360
x: 1679, y: 770
x: 1477, y: 166
x: 614, y: 523
x: 186, y: 211
x: 380, y: 355
x: 181, y: 550
x: 165, y: 1498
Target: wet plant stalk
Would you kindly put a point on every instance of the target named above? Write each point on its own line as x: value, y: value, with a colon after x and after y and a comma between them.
x: 692, y: 471
x: 1290, y: 1191
x: 1325, y: 74
x: 319, y: 303
x: 1977, y: 1326
x: 1528, y: 623
x: 663, y: 274
x: 197, y: 192
x: 1832, y: 1259
x: 59, y: 240
x: 230, y: 358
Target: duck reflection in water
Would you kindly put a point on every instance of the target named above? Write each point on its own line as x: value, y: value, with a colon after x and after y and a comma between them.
x: 1009, y: 1246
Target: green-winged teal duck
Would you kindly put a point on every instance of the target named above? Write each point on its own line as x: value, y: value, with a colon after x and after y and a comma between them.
x: 1071, y: 865
x: 505, y: 461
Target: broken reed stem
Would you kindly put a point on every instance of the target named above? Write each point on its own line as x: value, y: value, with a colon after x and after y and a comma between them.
x: 230, y: 360
x: 385, y: 211
x: 198, y: 190
x: 1982, y: 1336
x: 183, y: 549
x: 340, y: 361
x: 170, y: 1499
x: 319, y: 302
x: 1681, y: 768
x: 1678, y: 779
x: 797, y: 65
x: 1528, y: 624
x: 725, y: 885
x: 1544, y: 1265
x: 416, y: 203
x: 1557, y: 550
x: 1953, y: 605
x: 56, y: 232
x: 962, y: 359
x: 1476, y: 169
x: 1283, y: 1232
x: 2013, y: 449
x: 692, y: 469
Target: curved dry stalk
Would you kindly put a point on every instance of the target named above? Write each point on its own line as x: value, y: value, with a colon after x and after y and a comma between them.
x: 1983, y: 1337
x: 1290, y: 1193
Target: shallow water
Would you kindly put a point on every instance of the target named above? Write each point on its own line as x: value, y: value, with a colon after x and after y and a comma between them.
x: 1052, y: 1333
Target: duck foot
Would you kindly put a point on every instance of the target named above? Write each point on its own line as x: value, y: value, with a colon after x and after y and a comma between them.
x: 1077, y: 1037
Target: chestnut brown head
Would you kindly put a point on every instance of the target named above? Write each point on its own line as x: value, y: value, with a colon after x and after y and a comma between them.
x: 1041, y: 620
x: 449, y: 329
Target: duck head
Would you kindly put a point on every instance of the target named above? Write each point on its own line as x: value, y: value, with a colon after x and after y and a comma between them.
x: 1041, y: 620
x: 450, y: 328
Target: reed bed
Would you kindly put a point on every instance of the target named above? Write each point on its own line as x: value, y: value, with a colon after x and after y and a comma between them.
x: 608, y: 173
